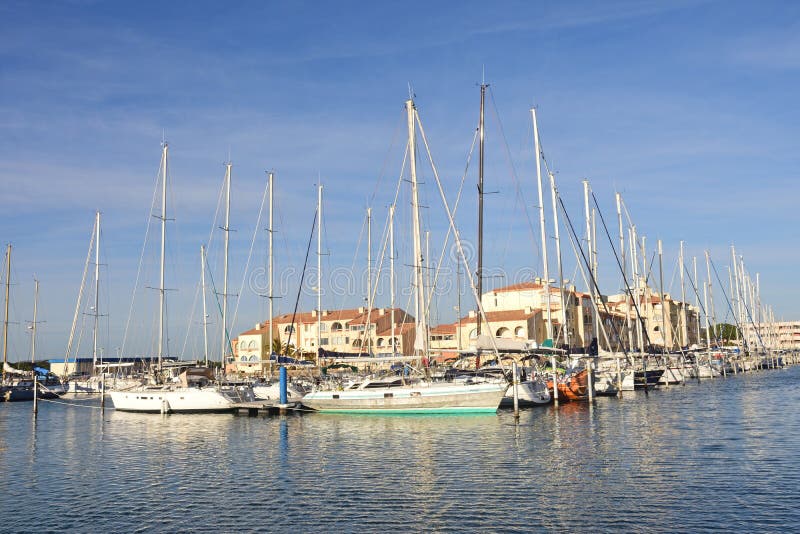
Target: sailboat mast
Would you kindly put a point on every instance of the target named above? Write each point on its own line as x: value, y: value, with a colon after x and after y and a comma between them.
x: 319, y: 271
x: 161, y: 288
x: 205, y: 313
x: 590, y: 257
x: 420, y: 343
x: 5, y: 321
x: 564, y: 304
x: 684, y: 317
x: 663, y: 299
x: 628, y: 303
x: 227, y: 230
x: 696, y: 299
x: 545, y: 270
x: 270, y: 262
x: 391, y: 275
x: 711, y: 297
x: 368, y: 334
x: 481, y: 136
x: 96, y: 288
x: 33, y: 323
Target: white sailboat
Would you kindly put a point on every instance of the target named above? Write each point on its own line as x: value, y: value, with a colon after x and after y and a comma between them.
x: 195, y: 390
x: 398, y: 394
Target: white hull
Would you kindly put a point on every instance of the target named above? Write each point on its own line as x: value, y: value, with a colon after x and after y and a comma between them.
x: 443, y: 397
x: 707, y: 371
x: 273, y: 392
x: 672, y: 375
x: 529, y: 393
x: 169, y: 399
x: 92, y: 385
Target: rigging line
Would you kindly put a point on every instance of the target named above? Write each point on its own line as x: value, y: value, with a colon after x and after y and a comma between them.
x: 250, y: 254
x: 639, y: 316
x: 588, y: 266
x: 513, y: 170
x: 141, y: 256
x: 449, y: 230
x: 382, y: 173
x: 191, y: 320
x: 80, y: 293
x: 573, y: 238
x: 746, y: 308
x: 452, y: 224
x: 302, y: 277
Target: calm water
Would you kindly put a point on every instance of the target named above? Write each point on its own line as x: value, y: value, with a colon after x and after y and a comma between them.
x: 719, y: 455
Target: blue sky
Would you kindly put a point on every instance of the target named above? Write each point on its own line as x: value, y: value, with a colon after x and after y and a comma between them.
x: 688, y: 108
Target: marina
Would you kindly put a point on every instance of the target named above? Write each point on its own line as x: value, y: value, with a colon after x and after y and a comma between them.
x: 640, y: 462
x: 419, y: 267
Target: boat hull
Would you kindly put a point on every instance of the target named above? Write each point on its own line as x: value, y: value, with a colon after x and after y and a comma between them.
x: 529, y: 393
x: 444, y: 398
x: 177, y: 400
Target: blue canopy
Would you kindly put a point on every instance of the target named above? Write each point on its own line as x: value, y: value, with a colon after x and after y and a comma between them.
x: 41, y: 371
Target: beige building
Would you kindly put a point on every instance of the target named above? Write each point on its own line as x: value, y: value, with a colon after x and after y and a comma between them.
x: 357, y: 330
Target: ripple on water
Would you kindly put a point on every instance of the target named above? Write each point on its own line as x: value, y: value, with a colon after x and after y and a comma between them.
x: 716, y: 455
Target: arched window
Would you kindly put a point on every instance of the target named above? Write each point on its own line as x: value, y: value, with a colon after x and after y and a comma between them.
x: 380, y: 341
x: 253, y: 358
x: 473, y: 334
x: 244, y: 358
x: 394, y: 342
x: 336, y: 327
x: 503, y: 332
x: 252, y: 345
x: 656, y: 328
x: 288, y: 330
x: 356, y: 342
x: 519, y: 331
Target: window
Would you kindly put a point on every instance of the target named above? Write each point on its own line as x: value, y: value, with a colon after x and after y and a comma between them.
x: 288, y: 330
x: 323, y: 341
x: 380, y: 341
x: 503, y: 332
x: 336, y: 327
x: 519, y: 331
x: 473, y: 334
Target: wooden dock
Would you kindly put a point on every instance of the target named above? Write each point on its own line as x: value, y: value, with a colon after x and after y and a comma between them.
x: 263, y: 407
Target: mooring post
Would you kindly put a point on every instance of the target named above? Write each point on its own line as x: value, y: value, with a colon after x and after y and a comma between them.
x: 516, y: 391
x: 555, y: 379
x: 283, y: 385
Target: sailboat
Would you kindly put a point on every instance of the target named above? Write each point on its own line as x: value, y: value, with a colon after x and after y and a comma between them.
x: 195, y: 389
x: 410, y: 395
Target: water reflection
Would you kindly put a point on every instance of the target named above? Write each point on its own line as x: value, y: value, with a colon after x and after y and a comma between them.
x: 639, y: 462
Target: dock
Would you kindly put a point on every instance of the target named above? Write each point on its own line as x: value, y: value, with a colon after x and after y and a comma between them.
x: 263, y: 407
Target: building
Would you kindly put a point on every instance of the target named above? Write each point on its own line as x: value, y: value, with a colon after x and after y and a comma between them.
x: 357, y: 330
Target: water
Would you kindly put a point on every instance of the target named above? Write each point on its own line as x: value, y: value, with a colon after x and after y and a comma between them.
x: 720, y: 455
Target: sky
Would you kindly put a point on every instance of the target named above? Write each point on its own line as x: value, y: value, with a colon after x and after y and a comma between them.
x: 687, y: 108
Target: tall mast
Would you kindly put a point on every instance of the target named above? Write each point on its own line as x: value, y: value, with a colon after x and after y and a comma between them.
x: 270, y: 263
x: 633, y: 240
x: 481, y: 135
x: 420, y: 343
x: 663, y: 299
x: 711, y: 298
x: 628, y: 303
x: 391, y: 274
x: 564, y: 304
x: 161, y: 289
x: 696, y: 298
x: 205, y: 313
x: 5, y: 320
x: 368, y: 335
x: 684, y: 316
x: 96, y: 288
x: 590, y: 257
x: 319, y: 270
x: 33, y: 323
x: 648, y: 306
x: 226, y: 229
x: 545, y: 269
